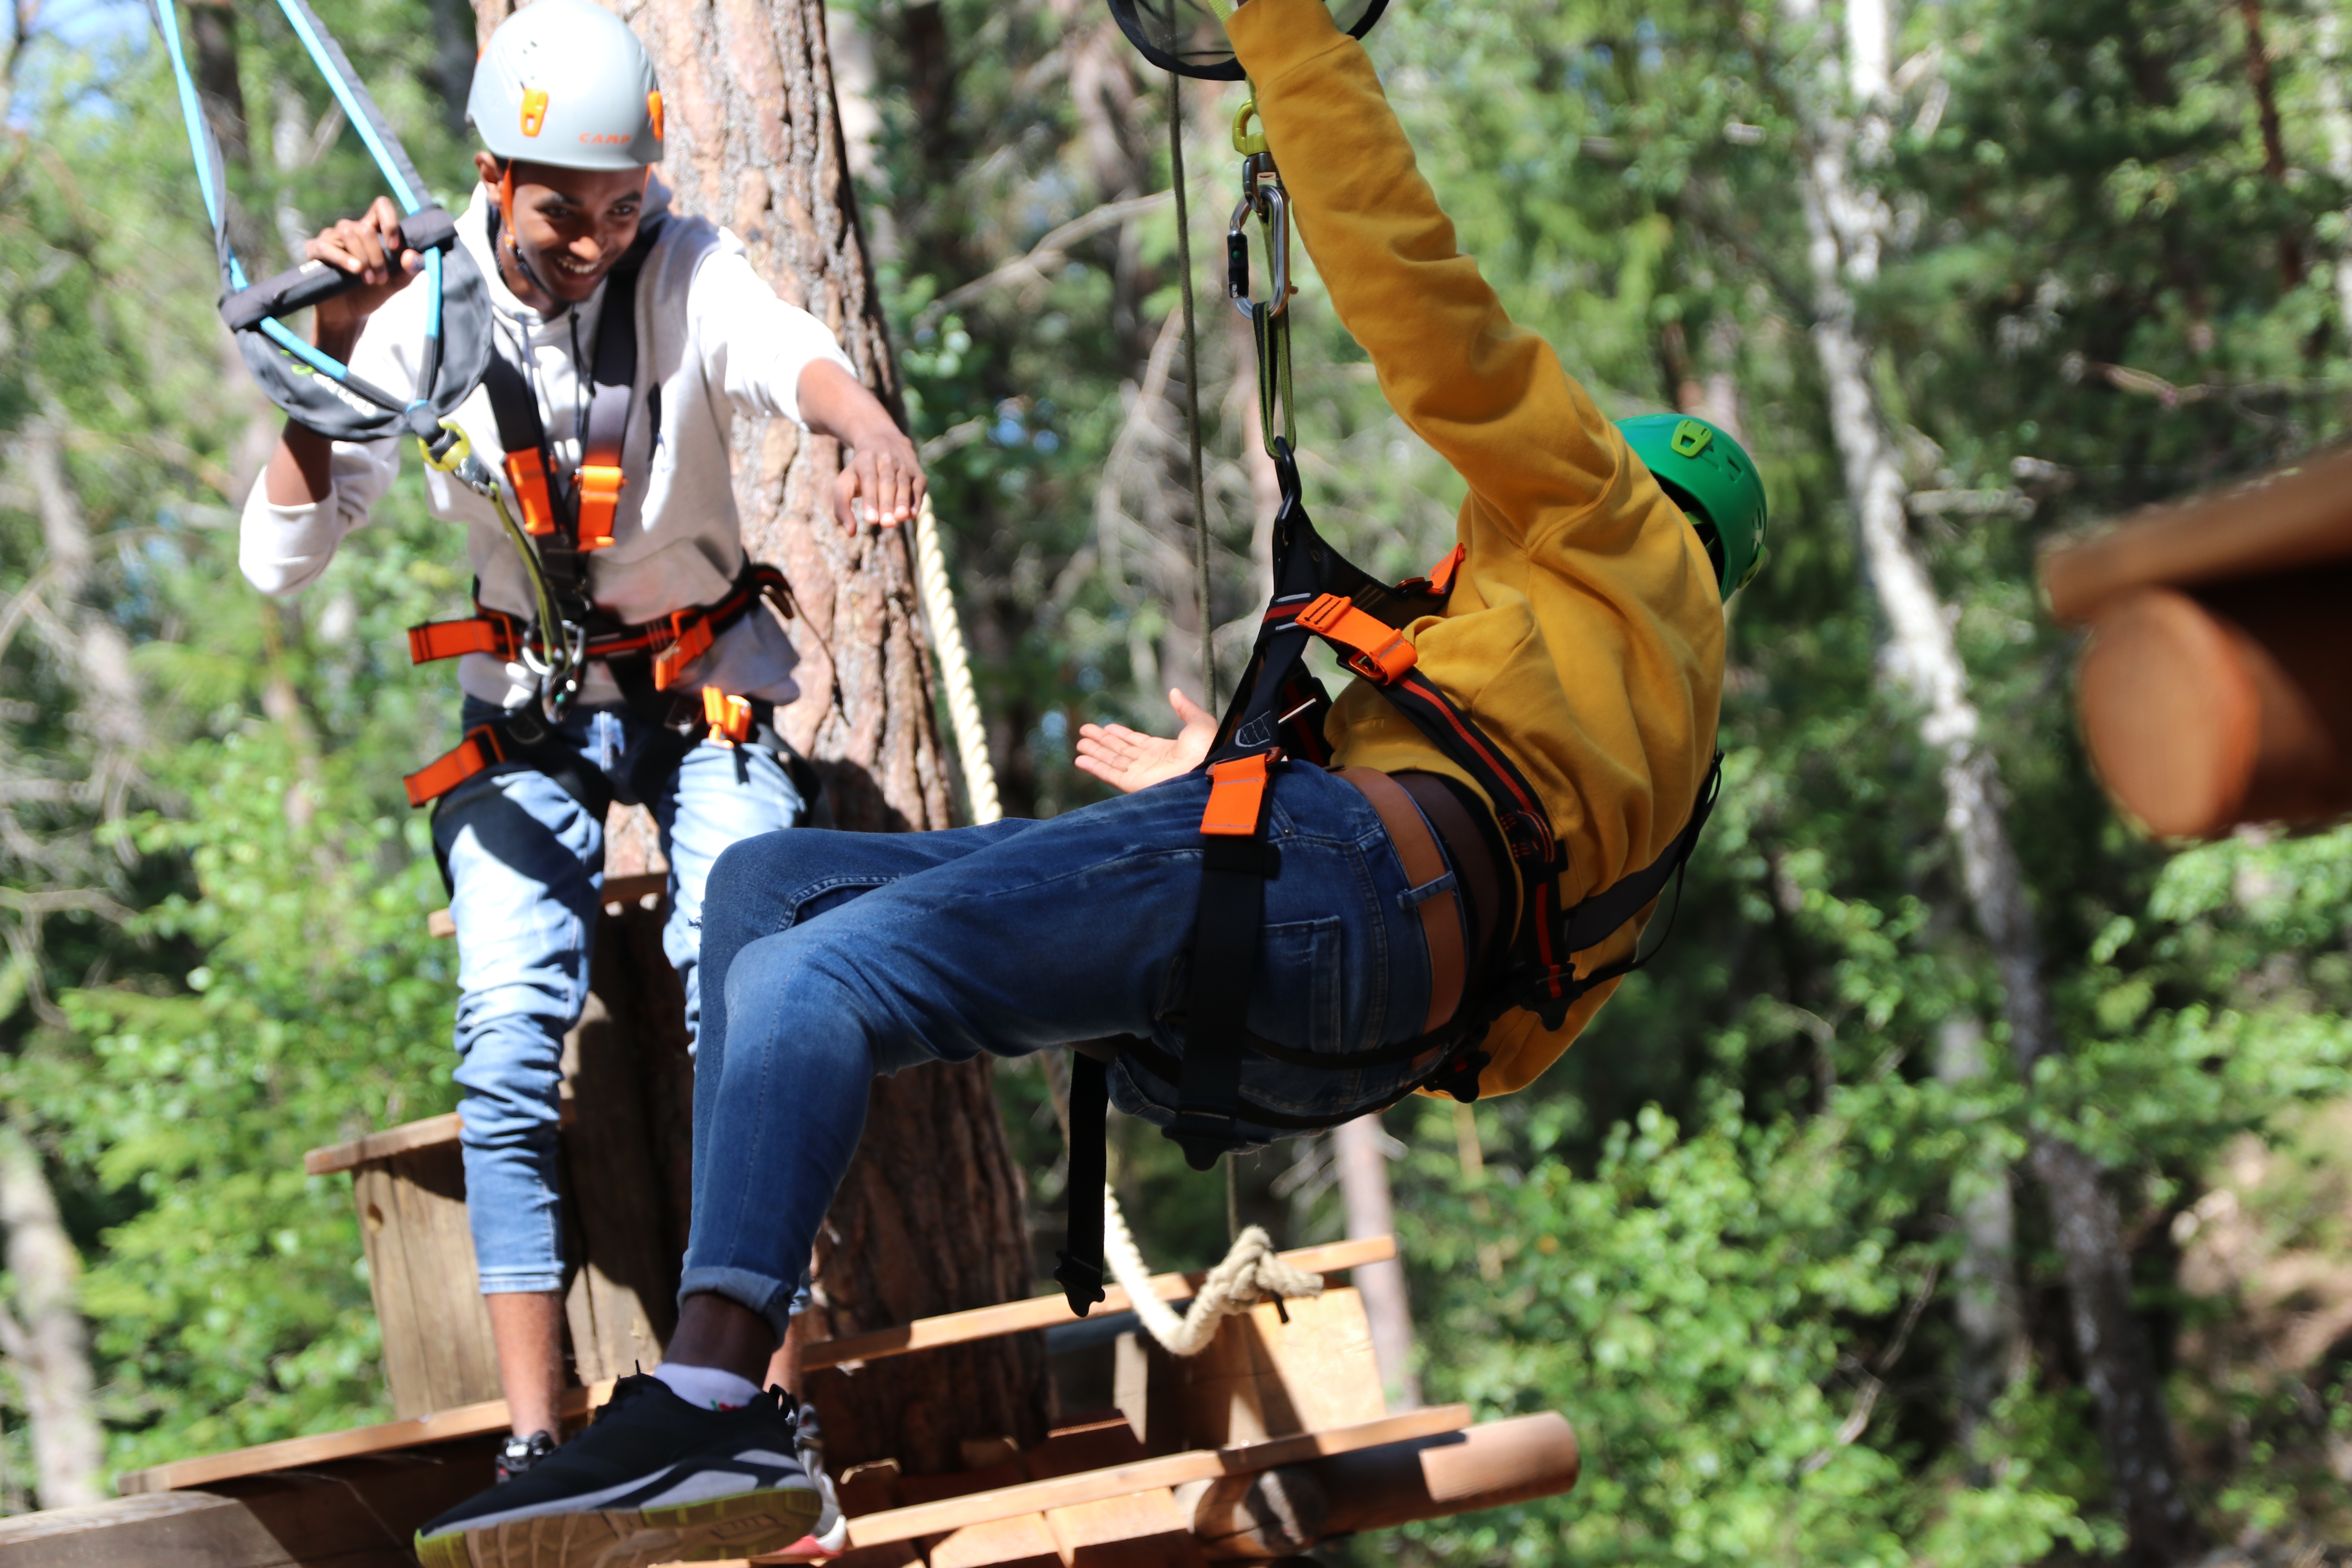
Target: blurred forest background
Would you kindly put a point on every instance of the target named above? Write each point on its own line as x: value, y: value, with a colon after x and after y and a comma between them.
x: 1802, y: 1236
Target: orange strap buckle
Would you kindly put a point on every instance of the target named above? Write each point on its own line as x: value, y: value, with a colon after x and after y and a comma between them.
x: 692, y: 635
x: 730, y: 718
x: 445, y: 772
x: 600, y: 493
x: 1375, y: 650
x: 1236, y: 797
x: 527, y: 477
x: 1440, y: 576
x: 447, y: 639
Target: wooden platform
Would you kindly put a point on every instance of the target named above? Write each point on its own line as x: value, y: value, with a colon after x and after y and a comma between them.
x: 1271, y: 1439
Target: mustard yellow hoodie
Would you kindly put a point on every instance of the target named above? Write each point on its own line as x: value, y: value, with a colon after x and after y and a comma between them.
x: 1585, y: 631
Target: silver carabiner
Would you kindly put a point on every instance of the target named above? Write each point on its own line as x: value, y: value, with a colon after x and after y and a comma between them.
x: 1264, y: 198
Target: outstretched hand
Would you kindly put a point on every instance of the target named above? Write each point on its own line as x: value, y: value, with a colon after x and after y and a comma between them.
x: 1128, y: 760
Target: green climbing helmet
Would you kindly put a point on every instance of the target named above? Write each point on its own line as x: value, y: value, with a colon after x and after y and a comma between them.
x: 1713, y: 479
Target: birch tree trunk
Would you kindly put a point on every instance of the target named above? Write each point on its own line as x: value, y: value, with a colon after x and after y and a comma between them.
x: 929, y: 1219
x: 1360, y: 1148
x: 42, y: 1331
x: 1845, y: 221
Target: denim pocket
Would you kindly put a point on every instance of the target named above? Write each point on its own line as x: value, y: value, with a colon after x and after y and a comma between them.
x: 1294, y: 1001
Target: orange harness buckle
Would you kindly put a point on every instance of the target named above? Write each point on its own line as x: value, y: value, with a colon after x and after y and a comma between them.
x: 690, y: 634
x: 1237, y: 797
x: 730, y: 718
x: 1375, y: 650
x: 448, y: 640
x: 527, y: 477
x: 600, y: 493
x: 478, y: 750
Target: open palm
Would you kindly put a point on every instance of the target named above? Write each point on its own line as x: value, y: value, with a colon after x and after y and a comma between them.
x: 1128, y: 760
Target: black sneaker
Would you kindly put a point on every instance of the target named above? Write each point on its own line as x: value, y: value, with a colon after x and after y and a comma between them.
x: 517, y: 1455
x: 654, y: 1480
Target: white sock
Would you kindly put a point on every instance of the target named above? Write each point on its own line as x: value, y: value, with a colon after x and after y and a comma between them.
x: 710, y: 1387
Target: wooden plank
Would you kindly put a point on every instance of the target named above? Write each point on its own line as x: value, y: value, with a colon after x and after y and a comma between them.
x: 1024, y: 1540
x: 384, y: 1243
x: 297, y: 1453
x: 425, y: 1134
x: 1044, y: 1312
x: 1263, y: 1377
x: 430, y: 1132
x: 453, y: 1326
x: 1144, y: 1530
x: 1146, y: 1475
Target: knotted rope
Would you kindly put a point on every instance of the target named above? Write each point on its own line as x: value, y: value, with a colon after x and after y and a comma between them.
x: 1251, y: 1273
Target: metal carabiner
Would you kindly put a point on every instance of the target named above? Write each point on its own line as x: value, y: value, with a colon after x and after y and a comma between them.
x: 1264, y: 198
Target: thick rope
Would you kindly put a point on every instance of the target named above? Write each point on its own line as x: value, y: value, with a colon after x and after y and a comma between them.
x: 955, y: 667
x: 1251, y: 1273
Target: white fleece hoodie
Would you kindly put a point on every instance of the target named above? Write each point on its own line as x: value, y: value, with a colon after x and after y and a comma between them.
x: 713, y: 341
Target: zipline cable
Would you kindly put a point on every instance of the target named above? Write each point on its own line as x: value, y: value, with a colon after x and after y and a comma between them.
x: 1201, y: 586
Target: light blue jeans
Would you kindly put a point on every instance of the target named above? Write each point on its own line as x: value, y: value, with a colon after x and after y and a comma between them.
x: 526, y: 864
x: 831, y: 956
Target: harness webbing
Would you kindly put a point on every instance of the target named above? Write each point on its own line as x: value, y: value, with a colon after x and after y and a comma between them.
x: 317, y: 391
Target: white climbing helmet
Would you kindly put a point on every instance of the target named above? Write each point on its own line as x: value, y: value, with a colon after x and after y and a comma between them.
x: 564, y: 82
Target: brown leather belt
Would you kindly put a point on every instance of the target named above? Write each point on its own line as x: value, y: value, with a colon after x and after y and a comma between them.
x: 1426, y: 859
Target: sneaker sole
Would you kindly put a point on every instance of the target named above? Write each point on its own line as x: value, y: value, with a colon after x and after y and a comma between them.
x: 739, y: 1526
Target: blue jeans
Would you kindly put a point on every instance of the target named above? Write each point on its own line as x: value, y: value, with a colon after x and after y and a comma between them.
x: 525, y: 863
x: 830, y: 956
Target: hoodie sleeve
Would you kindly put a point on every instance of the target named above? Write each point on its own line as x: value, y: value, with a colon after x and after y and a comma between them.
x: 1489, y: 397
x: 754, y: 345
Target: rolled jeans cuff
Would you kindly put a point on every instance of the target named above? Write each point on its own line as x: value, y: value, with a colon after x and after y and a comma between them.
x: 507, y: 1284
x: 775, y: 1300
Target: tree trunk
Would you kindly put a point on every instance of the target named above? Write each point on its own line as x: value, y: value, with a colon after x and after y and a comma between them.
x: 1360, y: 1148
x: 1845, y: 222
x: 2337, y: 118
x: 1986, y: 1305
x: 929, y: 1218
x: 44, y: 1338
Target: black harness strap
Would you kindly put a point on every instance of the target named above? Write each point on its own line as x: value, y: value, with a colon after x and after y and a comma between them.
x: 595, y: 483
x: 1081, y: 1272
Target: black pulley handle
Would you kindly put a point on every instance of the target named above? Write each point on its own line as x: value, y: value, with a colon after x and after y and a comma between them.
x: 298, y: 287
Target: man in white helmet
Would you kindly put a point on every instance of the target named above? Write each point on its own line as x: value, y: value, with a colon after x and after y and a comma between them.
x: 612, y: 427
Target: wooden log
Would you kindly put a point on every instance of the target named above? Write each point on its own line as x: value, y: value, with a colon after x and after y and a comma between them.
x: 2206, y: 708
x: 1044, y: 1312
x: 1005, y: 1502
x: 1431, y: 1477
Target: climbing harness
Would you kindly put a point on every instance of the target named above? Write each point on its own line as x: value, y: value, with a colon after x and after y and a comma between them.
x: 561, y: 523
x: 317, y: 391
x: 1276, y: 717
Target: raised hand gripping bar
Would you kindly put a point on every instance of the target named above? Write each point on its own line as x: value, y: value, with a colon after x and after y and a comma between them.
x: 299, y: 288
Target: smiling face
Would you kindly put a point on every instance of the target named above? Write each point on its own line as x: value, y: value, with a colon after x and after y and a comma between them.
x: 569, y: 226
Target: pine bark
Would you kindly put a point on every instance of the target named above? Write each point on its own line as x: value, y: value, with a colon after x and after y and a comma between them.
x: 1846, y: 221
x: 929, y: 1219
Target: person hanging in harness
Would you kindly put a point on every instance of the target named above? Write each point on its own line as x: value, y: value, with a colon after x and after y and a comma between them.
x: 1268, y: 944
x: 622, y: 647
